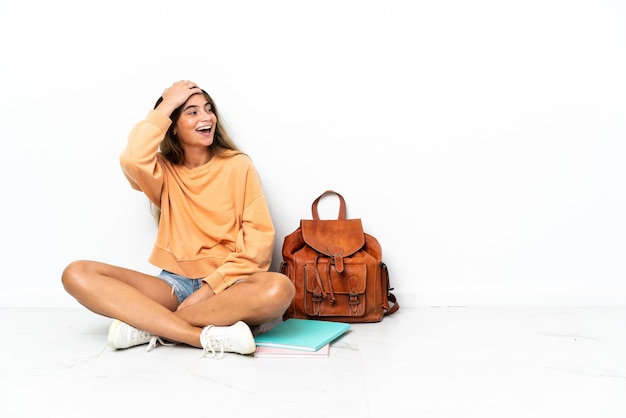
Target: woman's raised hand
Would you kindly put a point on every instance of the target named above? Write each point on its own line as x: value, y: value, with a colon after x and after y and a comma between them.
x: 177, y: 94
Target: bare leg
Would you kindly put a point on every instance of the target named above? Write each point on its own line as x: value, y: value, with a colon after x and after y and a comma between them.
x: 138, y: 299
x: 262, y: 297
x: 147, y: 302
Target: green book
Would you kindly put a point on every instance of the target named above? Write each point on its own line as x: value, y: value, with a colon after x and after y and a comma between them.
x: 301, y: 334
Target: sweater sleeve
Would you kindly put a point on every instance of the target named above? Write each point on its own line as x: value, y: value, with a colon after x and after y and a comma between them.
x: 255, y: 241
x: 139, y: 159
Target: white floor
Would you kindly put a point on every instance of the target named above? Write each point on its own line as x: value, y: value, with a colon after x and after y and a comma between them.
x: 421, y: 362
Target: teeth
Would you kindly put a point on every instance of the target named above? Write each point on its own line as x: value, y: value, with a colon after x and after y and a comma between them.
x: 204, y: 128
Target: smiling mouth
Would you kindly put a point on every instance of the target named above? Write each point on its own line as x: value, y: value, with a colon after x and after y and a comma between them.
x: 205, y: 129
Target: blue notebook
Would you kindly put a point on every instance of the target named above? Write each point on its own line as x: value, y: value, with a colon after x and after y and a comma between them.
x: 301, y: 334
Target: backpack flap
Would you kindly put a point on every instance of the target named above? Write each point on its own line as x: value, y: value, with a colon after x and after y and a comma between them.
x: 334, y: 238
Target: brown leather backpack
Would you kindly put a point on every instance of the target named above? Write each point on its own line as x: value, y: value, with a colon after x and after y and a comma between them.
x: 337, y: 270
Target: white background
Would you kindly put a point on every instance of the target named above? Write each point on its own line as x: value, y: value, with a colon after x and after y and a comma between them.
x: 482, y: 142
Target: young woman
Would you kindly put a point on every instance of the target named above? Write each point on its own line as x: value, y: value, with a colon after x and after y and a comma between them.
x: 214, y: 242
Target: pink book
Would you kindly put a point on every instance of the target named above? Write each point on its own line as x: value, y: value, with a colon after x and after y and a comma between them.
x: 287, y: 353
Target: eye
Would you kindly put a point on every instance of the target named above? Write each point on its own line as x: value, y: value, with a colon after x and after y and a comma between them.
x: 208, y: 109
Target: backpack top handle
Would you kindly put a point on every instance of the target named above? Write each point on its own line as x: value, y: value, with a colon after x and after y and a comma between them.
x: 342, y: 205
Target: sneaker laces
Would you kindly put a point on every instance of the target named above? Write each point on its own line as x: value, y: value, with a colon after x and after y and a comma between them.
x: 212, y: 343
x: 154, y: 340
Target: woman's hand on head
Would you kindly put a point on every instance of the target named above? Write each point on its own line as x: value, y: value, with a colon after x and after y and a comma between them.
x: 205, y: 292
x: 176, y: 95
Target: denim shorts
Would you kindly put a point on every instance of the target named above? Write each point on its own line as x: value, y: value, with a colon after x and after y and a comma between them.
x: 181, y: 286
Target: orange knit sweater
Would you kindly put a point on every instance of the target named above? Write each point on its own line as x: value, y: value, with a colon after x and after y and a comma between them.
x: 215, y: 223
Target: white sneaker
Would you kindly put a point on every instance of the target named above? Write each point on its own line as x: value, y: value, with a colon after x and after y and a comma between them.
x: 236, y: 338
x: 122, y: 335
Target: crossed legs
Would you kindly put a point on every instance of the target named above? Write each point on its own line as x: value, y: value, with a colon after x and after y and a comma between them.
x: 148, y: 303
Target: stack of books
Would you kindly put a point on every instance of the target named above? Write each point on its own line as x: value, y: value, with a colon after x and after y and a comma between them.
x: 299, y: 338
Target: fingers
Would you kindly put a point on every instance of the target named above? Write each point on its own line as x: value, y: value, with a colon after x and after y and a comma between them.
x: 204, y: 293
x: 177, y: 94
x: 186, y: 84
x: 182, y: 87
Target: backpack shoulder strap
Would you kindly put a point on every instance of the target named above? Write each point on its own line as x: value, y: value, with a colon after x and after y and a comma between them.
x: 390, y: 296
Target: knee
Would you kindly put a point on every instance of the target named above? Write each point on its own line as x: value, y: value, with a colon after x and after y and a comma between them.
x: 74, y: 275
x: 282, y: 289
